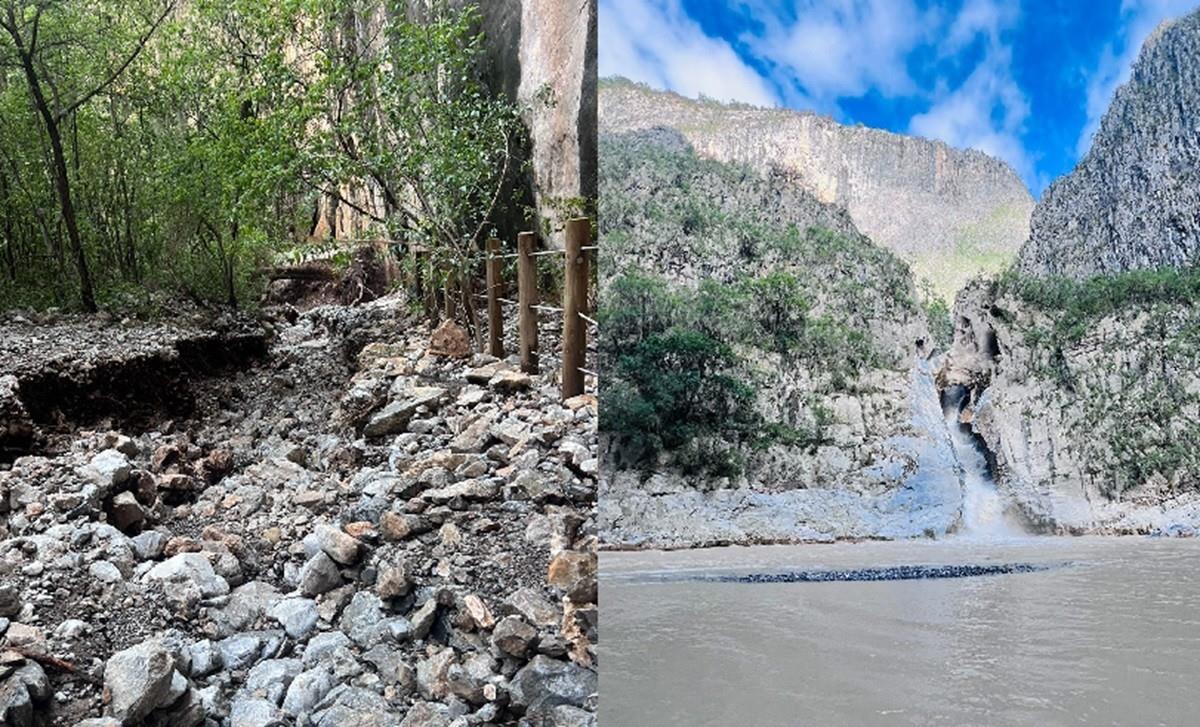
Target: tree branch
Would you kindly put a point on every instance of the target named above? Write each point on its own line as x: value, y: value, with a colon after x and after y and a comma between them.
x: 112, y: 77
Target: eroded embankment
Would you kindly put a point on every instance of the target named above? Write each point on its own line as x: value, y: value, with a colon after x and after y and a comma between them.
x: 353, y: 530
x: 81, y: 373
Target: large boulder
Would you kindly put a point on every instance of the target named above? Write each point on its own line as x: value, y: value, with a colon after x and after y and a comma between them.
x: 138, y: 680
x: 545, y: 683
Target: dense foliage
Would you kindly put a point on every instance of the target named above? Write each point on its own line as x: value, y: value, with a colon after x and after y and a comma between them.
x: 784, y: 288
x: 679, y: 376
x: 1129, y: 380
x: 1074, y: 304
x: 180, y: 146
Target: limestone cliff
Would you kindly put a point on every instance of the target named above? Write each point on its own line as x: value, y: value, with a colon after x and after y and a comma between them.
x: 869, y: 454
x: 1083, y: 360
x: 950, y: 213
x: 1134, y: 200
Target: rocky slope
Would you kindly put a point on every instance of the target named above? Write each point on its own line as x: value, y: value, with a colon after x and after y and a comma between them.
x: 346, y: 531
x: 1093, y: 420
x: 876, y: 459
x: 1082, y: 362
x: 1134, y: 200
x: 951, y: 213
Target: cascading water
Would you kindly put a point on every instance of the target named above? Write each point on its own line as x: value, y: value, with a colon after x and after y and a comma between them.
x: 983, y: 511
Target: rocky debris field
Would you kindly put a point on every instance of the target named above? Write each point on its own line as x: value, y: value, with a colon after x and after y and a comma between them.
x: 349, y: 531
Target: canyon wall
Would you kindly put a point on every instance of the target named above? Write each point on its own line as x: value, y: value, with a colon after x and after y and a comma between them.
x: 951, y: 213
x: 1084, y: 361
x: 1134, y: 200
x: 876, y: 460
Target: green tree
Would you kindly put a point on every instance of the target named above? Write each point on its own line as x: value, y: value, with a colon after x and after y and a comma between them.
x: 67, y: 59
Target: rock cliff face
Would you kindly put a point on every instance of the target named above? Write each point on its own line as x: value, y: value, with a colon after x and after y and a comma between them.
x: 881, y: 464
x: 1094, y: 424
x: 1083, y: 360
x: 950, y: 213
x: 1134, y: 200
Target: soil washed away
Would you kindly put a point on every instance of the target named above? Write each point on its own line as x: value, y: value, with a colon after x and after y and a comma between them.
x: 1084, y: 643
x: 319, y: 526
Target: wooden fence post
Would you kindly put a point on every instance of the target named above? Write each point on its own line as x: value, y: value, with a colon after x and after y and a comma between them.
x: 449, y: 299
x: 495, y: 317
x: 575, y: 285
x: 431, y: 287
x: 527, y: 298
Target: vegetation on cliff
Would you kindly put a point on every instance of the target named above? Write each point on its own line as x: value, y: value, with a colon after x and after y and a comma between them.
x: 718, y: 281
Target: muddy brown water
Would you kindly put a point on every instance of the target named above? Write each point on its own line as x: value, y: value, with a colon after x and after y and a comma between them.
x: 1107, y: 634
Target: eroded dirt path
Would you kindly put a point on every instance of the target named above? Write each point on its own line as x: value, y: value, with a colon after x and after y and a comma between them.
x: 308, y: 522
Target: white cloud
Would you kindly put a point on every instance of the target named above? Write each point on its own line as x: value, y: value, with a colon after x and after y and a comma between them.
x: 1138, y: 19
x: 655, y: 42
x: 840, y: 48
x: 817, y: 53
x: 986, y: 112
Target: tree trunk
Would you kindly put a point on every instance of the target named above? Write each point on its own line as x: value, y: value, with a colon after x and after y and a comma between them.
x: 62, y: 181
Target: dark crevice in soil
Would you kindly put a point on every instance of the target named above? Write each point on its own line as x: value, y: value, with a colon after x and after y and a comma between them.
x: 133, y: 394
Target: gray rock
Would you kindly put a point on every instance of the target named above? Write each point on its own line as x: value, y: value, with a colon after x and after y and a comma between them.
x: 362, y: 618
x: 10, y: 601
x: 247, y: 604
x: 395, y: 416
x: 477, y: 489
x: 105, y: 572
x: 427, y: 714
x: 298, y: 616
x: 16, y: 706
x: 514, y: 637
x: 240, y: 650
x: 307, y: 690
x: 433, y: 674
x: 148, y: 545
x: 319, y: 575
x: 533, y: 607
x: 336, y: 544
x: 193, y: 568
x: 423, y: 618
x: 270, y: 679
x: 249, y: 712
x: 138, y: 680
x: 356, y: 707
x: 564, y: 715
x: 390, y: 663
x: 544, y: 683
x: 109, y: 469
x: 469, y: 679
x: 321, y: 646
x: 205, y: 658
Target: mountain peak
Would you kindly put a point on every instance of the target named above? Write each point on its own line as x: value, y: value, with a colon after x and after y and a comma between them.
x: 1133, y: 202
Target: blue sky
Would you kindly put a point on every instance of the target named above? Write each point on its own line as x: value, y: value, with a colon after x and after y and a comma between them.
x: 1024, y: 81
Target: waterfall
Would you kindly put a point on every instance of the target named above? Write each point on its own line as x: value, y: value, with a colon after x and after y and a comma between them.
x: 983, y: 511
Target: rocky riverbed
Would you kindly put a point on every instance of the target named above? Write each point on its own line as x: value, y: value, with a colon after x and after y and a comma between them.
x: 330, y: 526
